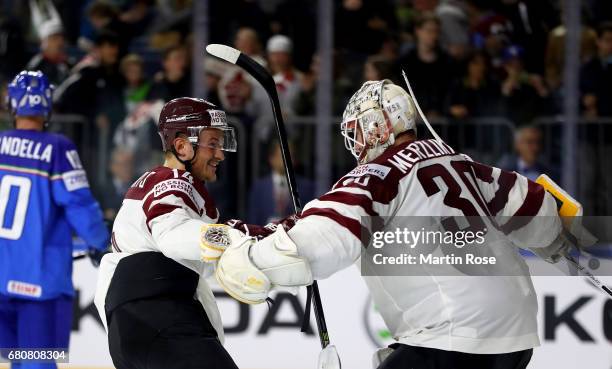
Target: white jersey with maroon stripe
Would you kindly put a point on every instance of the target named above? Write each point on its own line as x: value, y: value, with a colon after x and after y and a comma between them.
x: 473, y: 314
x: 164, y: 211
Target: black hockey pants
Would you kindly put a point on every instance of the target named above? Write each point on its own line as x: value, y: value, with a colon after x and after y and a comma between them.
x: 412, y: 357
x: 164, y: 333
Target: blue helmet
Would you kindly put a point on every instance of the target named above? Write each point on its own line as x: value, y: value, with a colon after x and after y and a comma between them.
x: 30, y: 94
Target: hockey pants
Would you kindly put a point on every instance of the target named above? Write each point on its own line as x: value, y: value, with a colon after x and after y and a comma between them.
x: 165, y: 332
x: 412, y: 357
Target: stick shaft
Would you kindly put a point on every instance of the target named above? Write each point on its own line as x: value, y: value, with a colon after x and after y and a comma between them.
x: 264, y: 78
x: 587, y: 274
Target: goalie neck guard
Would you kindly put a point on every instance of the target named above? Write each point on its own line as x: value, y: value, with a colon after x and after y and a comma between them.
x: 374, y: 116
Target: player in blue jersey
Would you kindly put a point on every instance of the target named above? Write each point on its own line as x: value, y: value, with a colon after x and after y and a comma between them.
x: 44, y: 197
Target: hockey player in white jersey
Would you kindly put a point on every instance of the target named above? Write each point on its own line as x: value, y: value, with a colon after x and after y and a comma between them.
x: 438, y: 321
x: 152, y: 294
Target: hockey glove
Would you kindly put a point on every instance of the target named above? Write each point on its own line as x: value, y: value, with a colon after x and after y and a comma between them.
x: 260, y: 232
x: 248, y: 270
x: 214, y: 239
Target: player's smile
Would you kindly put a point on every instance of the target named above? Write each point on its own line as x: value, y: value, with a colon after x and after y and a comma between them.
x: 213, y: 164
x: 210, y: 153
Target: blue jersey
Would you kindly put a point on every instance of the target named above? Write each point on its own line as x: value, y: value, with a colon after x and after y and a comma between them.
x: 44, y: 196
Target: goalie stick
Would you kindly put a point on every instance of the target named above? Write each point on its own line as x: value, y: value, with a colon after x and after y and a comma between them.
x: 262, y: 76
x: 569, y: 260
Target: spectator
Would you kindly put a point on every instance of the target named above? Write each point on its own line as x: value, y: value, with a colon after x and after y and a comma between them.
x: 269, y: 197
x: 52, y: 59
x: 94, y: 89
x: 527, y: 157
x: 342, y: 88
x: 362, y: 25
x: 175, y: 78
x: 136, y: 86
x: 214, y: 70
x: 427, y: 66
x: 555, y: 52
x: 231, y: 15
x: 424, y: 5
x: 241, y: 94
x: 286, y: 77
x: 475, y: 94
x: 525, y: 94
x: 531, y: 22
x: 138, y: 13
x: 377, y: 68
x: 121, y: 168
x: 12, y: 53
x: 454, y: 28
x: 236, y: 87
x: 248, y: 42
x: 298, y: 20
x: 491, y: 32
x: 137, y: 133
x: 596, y: 77
x: 405, y: 14
x: 95, y: 86
x: 105, y: 16
x: 390, y: 48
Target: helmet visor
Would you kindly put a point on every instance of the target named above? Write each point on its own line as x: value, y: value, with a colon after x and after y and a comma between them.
x: 226, y: 141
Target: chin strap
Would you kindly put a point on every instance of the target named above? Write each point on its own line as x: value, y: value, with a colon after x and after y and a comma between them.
x: 186, y: 163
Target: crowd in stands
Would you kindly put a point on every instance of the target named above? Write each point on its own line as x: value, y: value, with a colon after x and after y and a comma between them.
x: 116, y: 62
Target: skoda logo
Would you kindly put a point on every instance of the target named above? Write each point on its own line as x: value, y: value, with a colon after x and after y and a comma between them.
x: 375, y: 325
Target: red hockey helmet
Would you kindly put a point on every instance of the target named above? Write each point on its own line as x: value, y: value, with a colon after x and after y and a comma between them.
x: 189, y: 116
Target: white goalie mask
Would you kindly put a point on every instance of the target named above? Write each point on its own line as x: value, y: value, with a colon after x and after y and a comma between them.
x: 374, y: 116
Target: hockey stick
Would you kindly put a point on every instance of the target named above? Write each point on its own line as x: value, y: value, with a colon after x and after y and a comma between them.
x: 262, y: 76
x: 568, y: 259
x: 587, y: 273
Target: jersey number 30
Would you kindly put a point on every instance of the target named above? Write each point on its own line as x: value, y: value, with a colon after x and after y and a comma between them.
x: 14, y: 230
x: 466, y: 170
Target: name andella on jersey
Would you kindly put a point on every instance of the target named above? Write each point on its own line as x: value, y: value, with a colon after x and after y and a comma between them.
x: 24, y: 148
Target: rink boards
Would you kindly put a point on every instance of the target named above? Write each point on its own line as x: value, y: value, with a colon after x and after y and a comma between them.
x: 575, y: 326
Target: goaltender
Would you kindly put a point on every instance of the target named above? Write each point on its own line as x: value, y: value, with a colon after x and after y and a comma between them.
x: 438, y: 321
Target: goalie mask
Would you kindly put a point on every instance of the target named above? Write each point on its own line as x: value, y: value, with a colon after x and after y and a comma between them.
x: 374, y: 116
x: 189, y: 116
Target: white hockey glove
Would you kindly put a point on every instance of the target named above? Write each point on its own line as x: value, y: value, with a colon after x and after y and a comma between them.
x: 248, y: 269
x: 214, y: 239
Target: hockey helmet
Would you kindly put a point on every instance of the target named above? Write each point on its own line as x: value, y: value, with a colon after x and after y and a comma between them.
x: 30, y: 94
x: 374, y: 116
x: 189, y: 116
